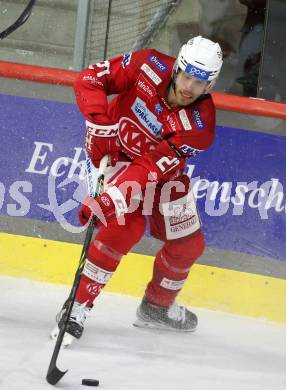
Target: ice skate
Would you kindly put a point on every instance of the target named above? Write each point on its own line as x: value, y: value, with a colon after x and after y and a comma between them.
x: 75, y: 325
x: 67, y: 340
x: 175, y: 317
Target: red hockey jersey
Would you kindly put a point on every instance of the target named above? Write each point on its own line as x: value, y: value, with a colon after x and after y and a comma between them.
x: 155, y: 136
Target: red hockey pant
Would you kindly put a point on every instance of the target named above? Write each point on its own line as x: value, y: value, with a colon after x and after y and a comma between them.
x: 171, y: 266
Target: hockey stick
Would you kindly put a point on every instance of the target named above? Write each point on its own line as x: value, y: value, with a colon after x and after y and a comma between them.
x: 21, y: 20
x: 107, y: 29
x: 54, y: 374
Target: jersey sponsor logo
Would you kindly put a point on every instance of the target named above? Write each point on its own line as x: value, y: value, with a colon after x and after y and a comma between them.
x: 158, y: 63
x: 198, y: 119
x: 92, y: 80
x: 151, y: 74
x: 197, y: 72
x: 146, y: 117
x: 145, y: 87
x: 126, y: 59
x: 189, y: 150
x: 134, y: 138
x: 185, y: 120
x: 158, y: 108
x: 181, y: 217
x: 173, y: 123
x: 166, y: 104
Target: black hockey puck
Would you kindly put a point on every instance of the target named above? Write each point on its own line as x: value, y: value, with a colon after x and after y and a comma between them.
x: 90, y: 382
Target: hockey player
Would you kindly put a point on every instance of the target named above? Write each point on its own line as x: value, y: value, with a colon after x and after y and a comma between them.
x: 162, y: 114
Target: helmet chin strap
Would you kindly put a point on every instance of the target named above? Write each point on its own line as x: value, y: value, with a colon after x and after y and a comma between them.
x: 210, y: 86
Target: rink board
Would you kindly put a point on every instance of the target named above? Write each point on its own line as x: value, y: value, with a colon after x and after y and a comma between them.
x: 209, y: 287
x: 41, y: 178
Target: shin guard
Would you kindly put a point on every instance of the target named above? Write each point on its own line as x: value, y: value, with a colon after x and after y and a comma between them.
x: 171, y: 268
x: 100, y: 264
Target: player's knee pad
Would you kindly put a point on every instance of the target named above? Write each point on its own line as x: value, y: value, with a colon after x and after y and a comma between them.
x: 103, y: 255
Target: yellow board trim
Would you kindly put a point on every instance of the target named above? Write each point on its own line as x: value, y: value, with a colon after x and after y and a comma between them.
x: 209, y: 287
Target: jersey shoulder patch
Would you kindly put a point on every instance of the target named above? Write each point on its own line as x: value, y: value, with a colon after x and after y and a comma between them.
x: 126, y: 58
x: 201, y: 114
x: 197, y: 118
x: 156, y: 60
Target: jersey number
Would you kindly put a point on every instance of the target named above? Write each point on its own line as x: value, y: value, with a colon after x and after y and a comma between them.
x: 166, y: 164
x: 106, y: 66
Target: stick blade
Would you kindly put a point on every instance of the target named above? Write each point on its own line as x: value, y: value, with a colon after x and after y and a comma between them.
x: 54, y: 375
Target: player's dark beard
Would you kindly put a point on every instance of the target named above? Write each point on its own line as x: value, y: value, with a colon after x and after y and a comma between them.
x: 172, y: 85
x: 173, y: 82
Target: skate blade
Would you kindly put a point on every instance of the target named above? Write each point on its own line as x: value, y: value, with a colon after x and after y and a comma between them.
x: 155, y: 325
x: 67, y: 340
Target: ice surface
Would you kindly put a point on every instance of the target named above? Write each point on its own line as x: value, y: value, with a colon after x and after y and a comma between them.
x: 226, y: 353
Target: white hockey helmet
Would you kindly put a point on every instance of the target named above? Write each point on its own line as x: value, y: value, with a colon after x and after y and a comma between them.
x: 201, y: 58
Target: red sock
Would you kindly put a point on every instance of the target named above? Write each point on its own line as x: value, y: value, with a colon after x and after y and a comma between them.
x: 171, y: 268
